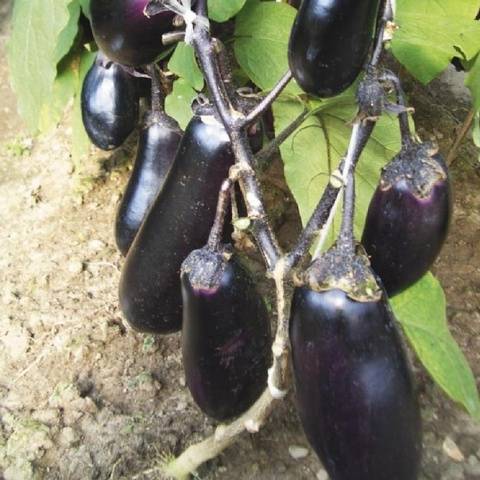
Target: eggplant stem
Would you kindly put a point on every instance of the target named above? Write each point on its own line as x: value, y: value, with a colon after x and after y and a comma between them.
x: 224, y: 196
x: 158, y: 98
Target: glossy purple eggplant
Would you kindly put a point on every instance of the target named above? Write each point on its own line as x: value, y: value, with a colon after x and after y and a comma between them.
x: 408, y: 217
x: 329, y: 43
x: 178, y: 222
x: 125, y: 34
x: 157, y: 146
x: 354, y: 389
x: 225, y: 334
x: 109, y: 103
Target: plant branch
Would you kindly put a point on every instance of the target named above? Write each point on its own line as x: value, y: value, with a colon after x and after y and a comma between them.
x: 267, y: 100
x: 461, y: 135
x: 224, y: 196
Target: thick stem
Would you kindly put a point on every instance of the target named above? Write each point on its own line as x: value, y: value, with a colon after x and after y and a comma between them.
x: 261, y: 108
x: 324, y: 212
x: 224, y: 195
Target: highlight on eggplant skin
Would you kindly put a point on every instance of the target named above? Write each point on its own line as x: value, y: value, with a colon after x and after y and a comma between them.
x: 329, y: 43
x: 109, y: 102
x: 225, y: 334
x: 178, y: 222
x: 407, y: 224
x: 355, y: 392
x: 125, y: 34
x: 157, y: 146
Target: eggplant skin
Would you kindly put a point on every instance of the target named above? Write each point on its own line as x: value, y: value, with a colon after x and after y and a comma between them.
x: 354, y: 388
x: 404, y: 233
x: 125, y: 34
x: 109, y: 102
x: 329, y: 43
x: 157, y: 146
x: 225, y: 343
x: 178, y: 222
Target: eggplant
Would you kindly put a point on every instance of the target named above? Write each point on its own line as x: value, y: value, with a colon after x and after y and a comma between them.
x: 157, y: 146
x: 178, y: 222
x: 408, y: 217
x: 109, y: 102
x: 329, y: 43
x: 125, y: 34
x: 354, y: 388
x: 225, y: 333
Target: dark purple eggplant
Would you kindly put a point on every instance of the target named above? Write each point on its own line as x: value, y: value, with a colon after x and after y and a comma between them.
x: 109, y: 104
x: 225, y: 334
x: 408, y: 217
x: 125, y: 34
x: 157, y: 146
x: 354, y: 389
x: 178, y: 222
x: 329, y: 43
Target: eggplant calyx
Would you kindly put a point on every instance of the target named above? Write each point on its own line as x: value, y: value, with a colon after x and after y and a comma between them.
x: 205, y: 267
x: 351, y: 275
x: 371, y: 97
x: 418, y: 166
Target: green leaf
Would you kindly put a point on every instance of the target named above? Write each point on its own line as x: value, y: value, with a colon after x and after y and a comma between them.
x: 431, y: 32
x: 184, y: 64
x: 472, y: 81
x: 261, y: 42
x: 222, y: 10
x: 421, y: 310
x: 40, y: 35
x: 85, y: 4
x: 314, y: 151
x: 179, y: 103
x: 68, y: 34
x: 80, y: 141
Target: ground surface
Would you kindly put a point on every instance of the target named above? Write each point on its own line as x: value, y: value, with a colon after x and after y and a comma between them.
x: 83, y: 398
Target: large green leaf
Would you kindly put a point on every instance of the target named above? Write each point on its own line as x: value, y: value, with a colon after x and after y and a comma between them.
x: 421, y: 310
x: 184, y: 64
x: 261, y: 41
x: 222, y: 10
x: 41, y: 35
x: 314, y: 151
x: 431, y: 32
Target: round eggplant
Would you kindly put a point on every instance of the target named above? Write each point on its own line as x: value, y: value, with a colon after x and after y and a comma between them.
x: 109, y: 103
x: 157, y: 146
x: 408, y: 217
x: 125, y: 34
x: 178, y: 222
x: 225, y: 334
x: 329, y: 43
x: 354, y: 389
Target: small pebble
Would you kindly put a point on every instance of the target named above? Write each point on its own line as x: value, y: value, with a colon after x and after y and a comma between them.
x: 297, y: 452
x: 75, y: 266
x: 96, y: 245
x: 451, y: 449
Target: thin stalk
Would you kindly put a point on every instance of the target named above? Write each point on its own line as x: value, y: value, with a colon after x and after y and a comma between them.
x: 461, y: 135
x: 216, y: 232
x: 158, y: 98
x: 346, y: 240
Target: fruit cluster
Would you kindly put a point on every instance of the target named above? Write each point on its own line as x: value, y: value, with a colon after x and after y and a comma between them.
x: 354, y: 388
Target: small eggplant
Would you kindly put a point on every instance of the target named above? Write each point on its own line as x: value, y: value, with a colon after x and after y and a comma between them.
x: 408, y: 217
x: 329, y: 43
x: 178, y: 222
x: 109, y: 104
x: 157, y: 146
x: 354, y: 388
x: 225, y: 334
x: 125, y: 34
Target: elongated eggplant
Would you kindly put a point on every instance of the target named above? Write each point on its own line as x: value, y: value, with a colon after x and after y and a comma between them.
x: 177, y: 223
x: 109, y: 104
x: 225, y: 334
x: 157, y: 146
x: 329, y: 43
x: 354, y: 388
x: 408, y: 217
x: 125, y: 34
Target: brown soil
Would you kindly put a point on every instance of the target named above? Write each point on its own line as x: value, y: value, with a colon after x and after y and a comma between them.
x: 84, y: 397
